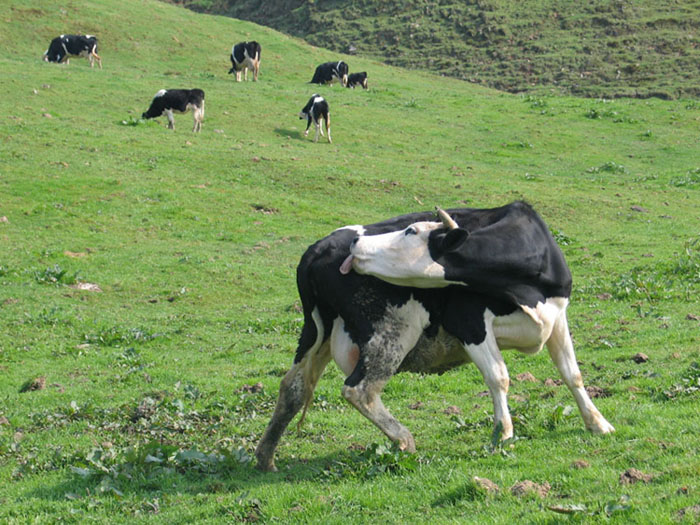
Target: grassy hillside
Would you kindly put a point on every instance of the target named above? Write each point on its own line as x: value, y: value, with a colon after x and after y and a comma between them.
x: 149, y: 406
x: 594, y: 49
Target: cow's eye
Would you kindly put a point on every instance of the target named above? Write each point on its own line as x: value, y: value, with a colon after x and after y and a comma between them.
x: 410, y: 231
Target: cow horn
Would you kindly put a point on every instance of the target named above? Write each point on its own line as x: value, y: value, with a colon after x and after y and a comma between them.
x: 448, y: 221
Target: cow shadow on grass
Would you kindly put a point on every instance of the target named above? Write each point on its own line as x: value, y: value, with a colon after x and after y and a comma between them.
x: 290, y: 133
x: 85, y: 489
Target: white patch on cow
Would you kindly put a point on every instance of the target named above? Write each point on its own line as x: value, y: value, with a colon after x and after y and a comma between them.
x: 528, y: 329
x: 412, y: 317
x: 401, y: 257
x: 171, y: 118
x: 488, y: 359
x: 344, y: 351
x: 160, y: 93
x: 317, y: 99
x: 357, y: 228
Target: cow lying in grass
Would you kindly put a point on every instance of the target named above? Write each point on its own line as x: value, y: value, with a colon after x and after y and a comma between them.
x: 171, y: 101
x: 415, y: 294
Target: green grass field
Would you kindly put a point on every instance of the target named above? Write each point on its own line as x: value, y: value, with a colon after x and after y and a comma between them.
x: 149, y: 407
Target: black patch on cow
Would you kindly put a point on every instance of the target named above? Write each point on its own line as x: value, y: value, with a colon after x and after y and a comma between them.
x: 70, y: 45
x: 238, y: 54
x: 357, y: 79
x: 315, y: 110
x: 329, y: 72
x: 175, y: 100
x: 463, y: 315
x: 508, y: 253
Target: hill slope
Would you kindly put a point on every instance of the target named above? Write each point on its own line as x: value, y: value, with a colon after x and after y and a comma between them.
x: 595, y: 49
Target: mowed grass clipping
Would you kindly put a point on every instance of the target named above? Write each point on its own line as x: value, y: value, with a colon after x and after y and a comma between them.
x: 145, y: 400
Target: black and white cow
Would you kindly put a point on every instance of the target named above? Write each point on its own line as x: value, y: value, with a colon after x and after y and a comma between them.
x: 171, y: 101
x: 317, y: 111
x: 358, y: 79
x: 331, y: 72
x: 64, y: 46
x: 415, y: 294
x: 245, y: 56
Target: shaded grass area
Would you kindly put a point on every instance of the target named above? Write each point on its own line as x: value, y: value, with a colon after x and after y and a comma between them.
x: 156, y: 389
x: 592, y: 49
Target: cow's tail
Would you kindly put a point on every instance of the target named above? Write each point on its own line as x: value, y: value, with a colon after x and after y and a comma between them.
x: 313, y: 332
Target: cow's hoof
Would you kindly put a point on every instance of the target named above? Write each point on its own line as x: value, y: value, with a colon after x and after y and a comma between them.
x: 603, y: 427
x: 408, y: 444
x: 266, y: 466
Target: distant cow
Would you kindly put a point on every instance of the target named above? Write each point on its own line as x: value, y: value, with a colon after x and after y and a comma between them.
x: 316, y: 111
x: 358, y: 79
x: 331, y: 72
x: 245, y: 56
x: 415, y: 294
x: 171, y: 101
x: 64, y: 46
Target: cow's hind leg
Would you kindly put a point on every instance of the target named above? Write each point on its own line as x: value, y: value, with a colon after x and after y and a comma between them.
x: 328, y: 127
x: 198, y: 115
x: 296, y: 391
x: 561, y: 350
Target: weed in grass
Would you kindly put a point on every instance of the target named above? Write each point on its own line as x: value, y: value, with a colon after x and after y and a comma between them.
x: 689, y: 384
x: 560, y: 414
x: 116, y: 336
x: 382, y: 459
x: 114, y: 470
x: 55, y: 275
x: 561, y: 238
x: 687, y: 266
x: 690, y: 180
x: 608, y: 167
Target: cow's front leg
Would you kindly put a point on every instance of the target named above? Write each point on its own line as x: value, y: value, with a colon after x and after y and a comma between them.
x: 379, y: 360
x: 171, y: 119
x: 296, y: 391
x: 488, y: 359
x: 365, y: 397
x: 561, y: 350
x: 318, y: 128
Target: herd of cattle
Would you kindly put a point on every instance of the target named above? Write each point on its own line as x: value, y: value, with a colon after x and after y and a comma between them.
x: 418, y: 292
x: 244, y: 56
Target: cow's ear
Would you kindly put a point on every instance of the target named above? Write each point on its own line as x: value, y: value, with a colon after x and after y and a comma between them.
x: 453, y: 239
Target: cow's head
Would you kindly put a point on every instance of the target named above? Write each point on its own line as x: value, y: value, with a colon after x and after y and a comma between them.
x: 413, y: 256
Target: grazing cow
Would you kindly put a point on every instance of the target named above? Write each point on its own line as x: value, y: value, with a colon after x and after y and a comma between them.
x: 245, y: 56
x: 65, y: 46
x: 177, y: 101
x: 358, y: 79
x: 413, y: 294
x: 316, y: 110
x: 331, y: 72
